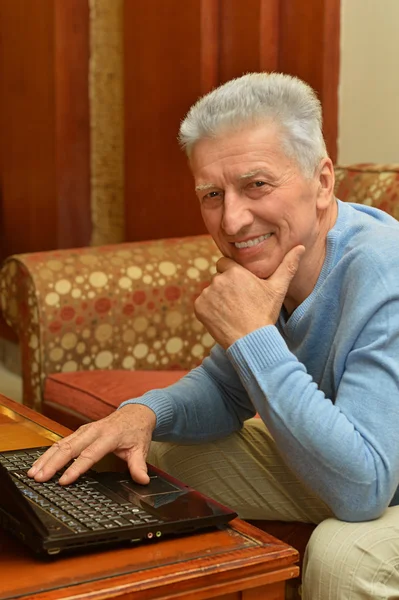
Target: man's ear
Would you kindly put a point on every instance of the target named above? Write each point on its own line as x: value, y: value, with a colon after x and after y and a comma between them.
x: 325, y: 183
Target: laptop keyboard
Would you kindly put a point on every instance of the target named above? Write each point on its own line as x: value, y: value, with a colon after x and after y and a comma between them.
x: 82, y: 506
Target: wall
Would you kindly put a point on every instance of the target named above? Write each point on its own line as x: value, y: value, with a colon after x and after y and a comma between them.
x: 369, y: 82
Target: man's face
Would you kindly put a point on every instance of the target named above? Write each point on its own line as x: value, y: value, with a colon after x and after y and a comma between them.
x: 255, y: 202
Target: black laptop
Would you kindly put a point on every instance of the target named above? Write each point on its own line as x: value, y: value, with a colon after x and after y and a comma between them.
x: 99, y: 510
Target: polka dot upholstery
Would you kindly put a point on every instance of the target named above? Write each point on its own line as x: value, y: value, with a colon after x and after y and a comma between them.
x: 124, y: 306
x: 370, y: 184
x: 130, y: 306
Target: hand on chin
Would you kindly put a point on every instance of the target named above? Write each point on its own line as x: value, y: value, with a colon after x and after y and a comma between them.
x: 238, y: 302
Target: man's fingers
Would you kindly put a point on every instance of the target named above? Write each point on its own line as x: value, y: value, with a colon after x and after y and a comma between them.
x: 42, y: 460
x: 126, y: 432
x: 54, y: 459
x: 137, y: 466
x: 224, y: 263
x: 287, y: 269
x: 87, y: 458
x: 67, y: 449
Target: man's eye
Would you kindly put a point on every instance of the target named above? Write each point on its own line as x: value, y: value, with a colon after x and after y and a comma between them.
x: 263, y: 186
x: 213, y: 199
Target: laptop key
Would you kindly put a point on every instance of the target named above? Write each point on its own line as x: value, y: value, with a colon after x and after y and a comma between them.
x: 137, y: 521
x: 151, y: 520
x: 95, y: 526
x: 122, y: 522
x: 80, y: 529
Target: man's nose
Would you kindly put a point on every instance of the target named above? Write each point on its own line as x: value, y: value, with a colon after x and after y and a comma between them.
x: 236, y: 213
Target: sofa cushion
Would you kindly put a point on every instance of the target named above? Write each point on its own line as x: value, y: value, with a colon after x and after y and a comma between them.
x: 370, y: 184
x: 95, y: 394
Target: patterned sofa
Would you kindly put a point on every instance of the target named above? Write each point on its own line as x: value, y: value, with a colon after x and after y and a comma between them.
x: 99, y: 325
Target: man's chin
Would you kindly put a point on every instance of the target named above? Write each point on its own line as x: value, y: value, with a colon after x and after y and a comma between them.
x: 261, y: 273
x: 261, y: 269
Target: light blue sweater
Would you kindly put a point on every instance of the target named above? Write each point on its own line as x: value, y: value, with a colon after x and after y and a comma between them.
x: 325, y: 382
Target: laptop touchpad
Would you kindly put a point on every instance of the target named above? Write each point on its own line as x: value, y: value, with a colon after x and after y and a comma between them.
x: 156, y: 486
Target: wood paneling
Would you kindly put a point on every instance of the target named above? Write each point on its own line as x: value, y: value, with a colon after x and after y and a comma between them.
x: 27, y: 125
x: 249, y: 37
x: 209, y: 44
x: 269, y: 34
x: 71, y: 52
x: 44, y: 124
x: 176, y: 51
x: 163, y: 76
x: 309, y: 48
x: 237, y: 38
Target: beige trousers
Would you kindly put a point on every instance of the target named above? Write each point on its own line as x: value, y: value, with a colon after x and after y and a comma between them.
x: 343, y: 561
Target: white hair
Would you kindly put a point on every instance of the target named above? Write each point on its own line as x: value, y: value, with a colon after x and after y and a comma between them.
x: 261, y: 97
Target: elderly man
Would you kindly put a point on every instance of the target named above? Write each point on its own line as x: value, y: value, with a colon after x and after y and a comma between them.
x: 305, y: 312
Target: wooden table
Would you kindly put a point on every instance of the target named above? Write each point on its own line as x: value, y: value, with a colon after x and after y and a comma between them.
x: 237, y: 563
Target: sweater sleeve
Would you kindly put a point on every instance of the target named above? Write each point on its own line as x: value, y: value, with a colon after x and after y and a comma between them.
x: 208, y: 403
x: 346, y: 451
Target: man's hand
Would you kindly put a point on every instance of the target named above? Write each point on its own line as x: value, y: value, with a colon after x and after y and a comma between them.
x: 127, y: 432
x: 237, y: 302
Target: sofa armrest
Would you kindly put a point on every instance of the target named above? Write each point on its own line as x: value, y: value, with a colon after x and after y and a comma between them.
x: 124, y: 306
x: 370, y: 184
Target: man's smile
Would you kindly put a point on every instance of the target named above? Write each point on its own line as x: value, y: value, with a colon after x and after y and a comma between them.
x: 252, y: 242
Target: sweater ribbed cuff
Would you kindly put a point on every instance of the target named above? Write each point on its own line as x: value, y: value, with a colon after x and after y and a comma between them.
x: 161, y: 407
x: 258, y: 351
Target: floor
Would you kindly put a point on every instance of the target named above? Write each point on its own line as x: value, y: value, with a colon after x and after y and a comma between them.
x: 10, y: 384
